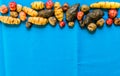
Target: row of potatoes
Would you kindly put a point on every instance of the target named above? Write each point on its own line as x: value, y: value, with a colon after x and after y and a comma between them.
x: 40, y: 16
x: 36, y: 13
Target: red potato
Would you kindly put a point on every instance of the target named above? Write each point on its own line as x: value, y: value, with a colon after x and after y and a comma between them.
x: 3, y: 9
x: 12, y: 6
x: 62, y: 24
x: 23, y: 16
x: 109, y: 21
x: 80, y: 15
x: 112, y: 13
x: 49, y: 4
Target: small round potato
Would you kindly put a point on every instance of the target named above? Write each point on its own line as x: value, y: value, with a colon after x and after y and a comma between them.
x: 92, y: 27
x: 100, y: 22
x: 85, y: 8
x: 70, y: 24
x: 52, y: 21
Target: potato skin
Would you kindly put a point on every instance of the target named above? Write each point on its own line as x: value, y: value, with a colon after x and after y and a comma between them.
x: 93, y: 16
x: 100, y: 22
x: 85, y: 8
x: 52, y: 20
x: 71, y: 13
x: 112, y: 13
x: 109, y: 21
x: 80, y: 15
x: 37, y: 5
x: 58, y: 11
x: 40, y: 21
x: 23, y: 16
x: 46, y: 13
x: 4, y: 9
x: 92, y: 27
x: 117, y: 21
x: 13, y: 14
x: 65, y: 7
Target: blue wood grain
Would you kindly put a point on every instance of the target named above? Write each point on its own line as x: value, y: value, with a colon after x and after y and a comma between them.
x: 52, y: 51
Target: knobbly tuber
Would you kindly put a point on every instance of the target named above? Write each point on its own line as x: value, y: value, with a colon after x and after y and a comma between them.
x: 105, y: 5
x: 71, y: 13
x: 9, y: 20
x: 93, y: 16
x: 58, y: 11
x: 37, y: 5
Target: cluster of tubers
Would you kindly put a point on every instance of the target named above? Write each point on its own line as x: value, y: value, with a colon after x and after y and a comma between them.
x: 112, y: 13
x: 41, y: 13
x: 93, y: 19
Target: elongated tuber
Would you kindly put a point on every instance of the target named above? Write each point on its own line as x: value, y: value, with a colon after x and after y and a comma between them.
x: 9, y: 20
x: 38, y: 20
x: 105, y: 5
x: 30, y: 11
x: 58, y: 11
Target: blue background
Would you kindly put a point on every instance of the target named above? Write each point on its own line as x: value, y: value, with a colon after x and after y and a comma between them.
x: 52, y: 51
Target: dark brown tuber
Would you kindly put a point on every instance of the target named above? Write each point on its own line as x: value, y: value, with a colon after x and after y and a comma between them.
x: 93, y: 16
x: 46, y: 13
x: 28, y: 25
x: 81, y: 24
x: 71, y: 13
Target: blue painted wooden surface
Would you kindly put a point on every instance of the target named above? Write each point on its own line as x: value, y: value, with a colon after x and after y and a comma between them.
x: 52, y: 51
